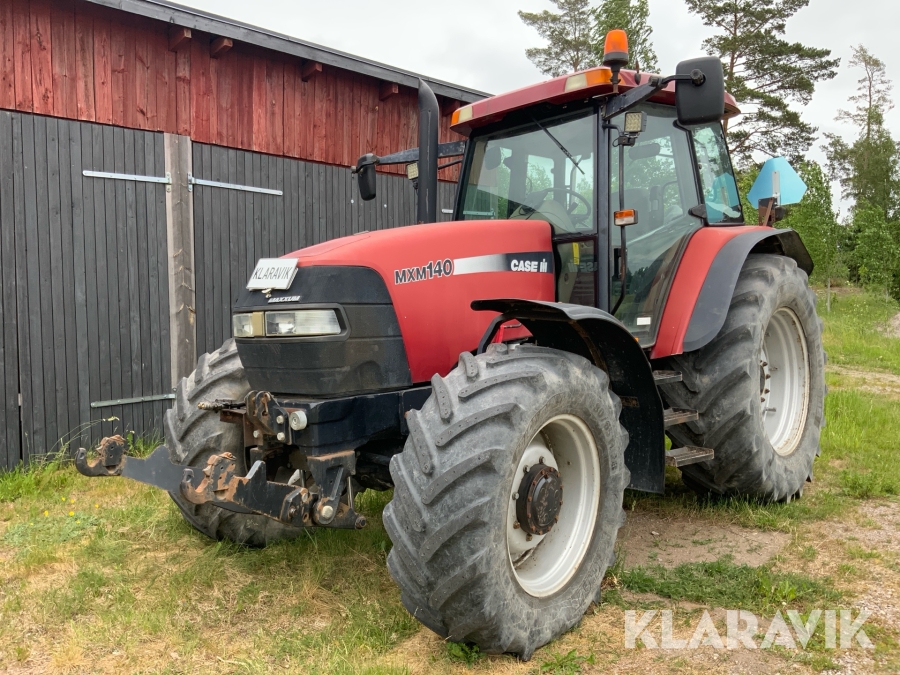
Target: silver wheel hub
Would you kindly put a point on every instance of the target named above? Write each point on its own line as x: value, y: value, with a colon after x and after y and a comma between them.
x: 548, y: 535
x: 784, y: 381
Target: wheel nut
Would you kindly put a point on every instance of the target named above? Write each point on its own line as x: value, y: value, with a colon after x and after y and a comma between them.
x: 528, y: 537
x: 280, y: 436
x: 516, y: 525
x: 280, y: 419
x: 515, y: 496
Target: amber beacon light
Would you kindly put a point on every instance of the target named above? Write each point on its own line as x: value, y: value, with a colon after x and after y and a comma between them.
x: 615, y: 52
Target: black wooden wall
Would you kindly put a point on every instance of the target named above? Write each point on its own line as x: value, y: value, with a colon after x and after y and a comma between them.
x: 84, y: 283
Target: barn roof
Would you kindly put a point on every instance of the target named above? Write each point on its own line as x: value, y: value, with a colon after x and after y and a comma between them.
x: 195, y: 19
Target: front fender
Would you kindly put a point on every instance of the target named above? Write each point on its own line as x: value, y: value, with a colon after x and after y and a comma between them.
x: 701, y: 292
x: 603, y: 340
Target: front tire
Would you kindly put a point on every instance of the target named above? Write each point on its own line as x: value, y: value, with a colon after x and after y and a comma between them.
x: 759, y: 387
x: 193, y: 435
x: 475, y: 559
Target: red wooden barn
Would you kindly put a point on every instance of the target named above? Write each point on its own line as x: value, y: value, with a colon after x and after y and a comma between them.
x: 149, y: 155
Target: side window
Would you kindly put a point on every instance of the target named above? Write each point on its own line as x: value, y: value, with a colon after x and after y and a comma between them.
x: 720, y: 193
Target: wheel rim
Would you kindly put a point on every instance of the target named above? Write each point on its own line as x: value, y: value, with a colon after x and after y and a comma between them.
x: 784, y: 381
x: 543, y: 564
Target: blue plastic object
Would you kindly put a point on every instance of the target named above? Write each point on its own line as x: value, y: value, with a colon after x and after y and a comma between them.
x: 791, y: 187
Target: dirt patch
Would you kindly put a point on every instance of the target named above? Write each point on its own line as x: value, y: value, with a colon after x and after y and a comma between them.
x: 892, y: 329
x: 885, y: 384
x: 860, y: 553
x: 648, y: 539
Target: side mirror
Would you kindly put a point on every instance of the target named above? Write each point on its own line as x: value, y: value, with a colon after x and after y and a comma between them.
x: 701, y: 99
x: 365, y: 176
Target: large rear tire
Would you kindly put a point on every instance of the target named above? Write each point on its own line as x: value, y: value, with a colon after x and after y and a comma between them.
x: 473, y: 563
x: 759, y: 387
x: 192, y: 435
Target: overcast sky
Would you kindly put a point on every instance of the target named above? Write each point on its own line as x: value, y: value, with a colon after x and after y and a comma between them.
x: 481, y: 43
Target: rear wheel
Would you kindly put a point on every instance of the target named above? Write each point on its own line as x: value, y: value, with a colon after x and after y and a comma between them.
x: 508, y: 498
x: 759, y: 387
x: 192, y: 435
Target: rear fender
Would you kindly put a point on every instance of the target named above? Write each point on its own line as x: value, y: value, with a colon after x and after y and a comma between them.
x: 603, y: 340
x: 707, y: 275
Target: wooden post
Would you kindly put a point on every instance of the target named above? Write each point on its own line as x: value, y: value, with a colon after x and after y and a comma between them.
x: 180, y: 236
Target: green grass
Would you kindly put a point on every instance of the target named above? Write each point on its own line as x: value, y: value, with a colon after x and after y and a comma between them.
x: 854, y: 331
x: 725, y: 584
x: 859, y: 444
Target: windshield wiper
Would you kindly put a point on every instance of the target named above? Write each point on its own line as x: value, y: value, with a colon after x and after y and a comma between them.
x: 558, y: 144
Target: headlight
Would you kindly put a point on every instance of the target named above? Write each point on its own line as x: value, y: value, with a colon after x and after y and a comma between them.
x: 302, y: 322
x: 242, y: 325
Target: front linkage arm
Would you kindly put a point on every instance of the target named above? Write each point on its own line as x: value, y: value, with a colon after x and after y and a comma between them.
x: 219, y: 484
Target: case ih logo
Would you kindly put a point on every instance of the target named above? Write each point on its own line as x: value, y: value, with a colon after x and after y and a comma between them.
x: 437, y: 268
x: 528, y: 265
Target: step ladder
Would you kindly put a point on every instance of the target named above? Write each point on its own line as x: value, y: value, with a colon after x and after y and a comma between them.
x: 689, y: 454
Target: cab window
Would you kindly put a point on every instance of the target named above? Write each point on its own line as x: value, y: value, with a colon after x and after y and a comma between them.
x: 539, y: 172
x: 720, y: 193
x: 660, y: 185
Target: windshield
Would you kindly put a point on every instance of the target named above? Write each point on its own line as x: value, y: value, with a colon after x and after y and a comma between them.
x: 544, y: 171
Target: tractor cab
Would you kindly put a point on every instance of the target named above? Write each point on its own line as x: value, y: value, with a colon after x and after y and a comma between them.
x: 564, y: 170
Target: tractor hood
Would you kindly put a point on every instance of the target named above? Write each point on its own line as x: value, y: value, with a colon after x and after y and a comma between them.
x: 407, y: 289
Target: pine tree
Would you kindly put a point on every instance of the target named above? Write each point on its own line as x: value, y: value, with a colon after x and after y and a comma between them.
x: 569, y: 36
x: 765, y: 73
x: 633, y: 16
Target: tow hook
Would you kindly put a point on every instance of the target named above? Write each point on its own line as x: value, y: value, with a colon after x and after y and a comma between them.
x: 109, y: 462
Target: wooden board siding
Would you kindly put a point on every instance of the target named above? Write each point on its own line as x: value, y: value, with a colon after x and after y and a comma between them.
x: 79, y: 61
x: 83, y: 287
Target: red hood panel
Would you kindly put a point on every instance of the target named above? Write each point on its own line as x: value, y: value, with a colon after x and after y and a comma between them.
x: 433, y: 272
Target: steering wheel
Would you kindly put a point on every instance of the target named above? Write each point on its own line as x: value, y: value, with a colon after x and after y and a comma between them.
x: 535, y: 199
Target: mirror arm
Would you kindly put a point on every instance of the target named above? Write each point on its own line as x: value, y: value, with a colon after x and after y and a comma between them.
x: 452, y: 149
x: 625, y: 102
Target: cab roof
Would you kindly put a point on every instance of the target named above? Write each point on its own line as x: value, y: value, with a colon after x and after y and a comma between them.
x: 583, y: 85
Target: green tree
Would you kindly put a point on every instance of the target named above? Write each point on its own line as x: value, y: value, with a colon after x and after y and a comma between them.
x: 869, y: 167
x: 877, y: 249
x: 765, y: 73
x: 569, y: 35
x: 818, y: 226
x: 633, y: 16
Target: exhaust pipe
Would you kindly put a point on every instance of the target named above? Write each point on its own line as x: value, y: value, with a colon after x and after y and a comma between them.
x: 429, y: 124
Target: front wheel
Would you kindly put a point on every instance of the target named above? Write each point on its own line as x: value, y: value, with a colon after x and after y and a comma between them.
x: 508, y: 498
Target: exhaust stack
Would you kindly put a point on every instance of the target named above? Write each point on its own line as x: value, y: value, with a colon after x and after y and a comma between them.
x: 429, y: 121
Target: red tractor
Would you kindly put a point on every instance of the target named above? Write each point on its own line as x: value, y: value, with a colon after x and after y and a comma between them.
x: 511, y: 373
